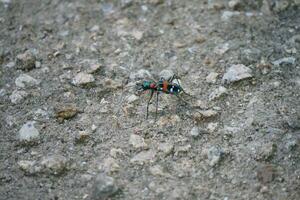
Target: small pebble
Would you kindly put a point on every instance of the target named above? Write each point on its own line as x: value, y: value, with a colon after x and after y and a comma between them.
x: 266, y: 173
x: 104, y: 187
x: 110, y: 165
x: 137, y: 142
x: 208, y: 113
x: 215, y: 5
x: 10, y: 64
x: 286, y: 60
x: 27, y: 166
x: 138, y: 35
x: 25, y: 61
x: 234, y: 4
x: 267, y: 151
x: 55, y: 164
x: 132, y: 99
x: 214, y: 155
x: 18, y: 96
x: 217, y: 93
x: 211, y: 127
x: 28, y: 133
x: 25, y: 80
x: 212, y: 77
x: 195, y: 132
x: 166, y: 74
x: 82, y: 136
x: 158, y: 170
x: 166, y: 148
x: 94, y: 68
x: 114, y: 152
x: 236, y: 73
x: 66, y: 113
x: 143, y: 157
x: 221, y: 49
x: 183, y: 149
x: 141, y: 74
x: 227, y: 15
x: 83, y: 79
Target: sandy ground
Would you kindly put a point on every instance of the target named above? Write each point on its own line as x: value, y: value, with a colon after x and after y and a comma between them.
x: 72, y: 126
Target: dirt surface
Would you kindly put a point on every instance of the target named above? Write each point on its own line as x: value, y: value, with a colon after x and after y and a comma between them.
x: 72, y: 126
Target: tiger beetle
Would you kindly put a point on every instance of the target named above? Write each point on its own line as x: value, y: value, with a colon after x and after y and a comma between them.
x: 164, y: 86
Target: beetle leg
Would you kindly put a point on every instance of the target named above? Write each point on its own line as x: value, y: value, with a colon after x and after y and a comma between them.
x: 181, y: 99
x: 156, y: 105
x: 151, y: 95
x: 171, y: 78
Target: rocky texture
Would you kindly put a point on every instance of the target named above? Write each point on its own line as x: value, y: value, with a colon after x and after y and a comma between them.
x: 72, y: 67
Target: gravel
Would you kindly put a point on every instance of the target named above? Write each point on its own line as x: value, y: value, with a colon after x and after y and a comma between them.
x: 70, y: 70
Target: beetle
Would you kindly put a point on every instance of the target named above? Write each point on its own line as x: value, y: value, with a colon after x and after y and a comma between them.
x: 163, y: 86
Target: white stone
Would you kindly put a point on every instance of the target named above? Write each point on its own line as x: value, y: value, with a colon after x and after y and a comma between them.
x: 115, y: 152
x: 212, y: 77
x: 83, y: 79
x: 94, y: 68
x: 157, y: 170
x: 10, y: 64
x: 26, y: 165
x: 183, y: 149
x: 222, y: 48
x: 166, y: 74
x: 208, y: 113
x: 214, y: 4
x: 55, y: 164
x: 214, y: 155
x: 25, y: 80
x: 138, y: 35
x: 110, y: 165
x: 236, y: 73
x: 143, y: 157
x: 95, y: 28
x: 2, y: 92
x: 132, y: 98
x: 286, y: 60
x: 28, y: 132
x: 166, y: 148
x: 141, y: 74
x: 137, y: 142
x: 211, y: 127
x: 94, y: 128
x: 229, y: 14
x: 195, y: 131
x: 217, y: 93
x: 18, y: 96
x: 104, y: 187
